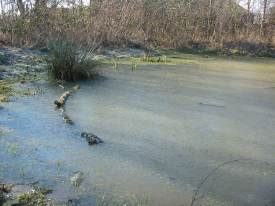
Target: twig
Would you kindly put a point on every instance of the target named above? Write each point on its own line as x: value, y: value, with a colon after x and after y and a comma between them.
x: 211, y: 105
x: 91, y: 51
x: 61, y: 86
x: 60, y: 103
x: 194, y: 198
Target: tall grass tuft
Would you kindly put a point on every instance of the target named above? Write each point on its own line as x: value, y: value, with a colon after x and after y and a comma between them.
x: 68, y: 62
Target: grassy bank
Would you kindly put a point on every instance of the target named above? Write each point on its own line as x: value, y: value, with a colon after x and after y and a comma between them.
x: 16, y: 87
x: 253, y: 50
x: 19, y: 69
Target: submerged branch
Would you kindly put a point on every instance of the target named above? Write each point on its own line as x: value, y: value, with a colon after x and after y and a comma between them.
x: 197, y: 191
x: 211, y: 105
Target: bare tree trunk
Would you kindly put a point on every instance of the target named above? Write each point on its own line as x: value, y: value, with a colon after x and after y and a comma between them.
x: 2, y: 8
x: 248, y: 17
x: 248, y: 6
x: 264, y: 17
x: 21, y: 7
x: 209, y: 18
x: 146, y: 15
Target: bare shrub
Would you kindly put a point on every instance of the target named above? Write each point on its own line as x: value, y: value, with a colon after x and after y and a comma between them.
x: 149, y: 23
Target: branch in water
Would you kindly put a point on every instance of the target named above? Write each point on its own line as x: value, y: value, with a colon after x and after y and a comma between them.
x: 61, y: 101
x: 194, y: 198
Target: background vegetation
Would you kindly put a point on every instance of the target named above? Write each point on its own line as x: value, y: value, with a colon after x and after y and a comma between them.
x: 196, y: 24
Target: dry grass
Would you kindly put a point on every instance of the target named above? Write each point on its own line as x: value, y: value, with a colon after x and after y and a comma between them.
x: 67, y: 62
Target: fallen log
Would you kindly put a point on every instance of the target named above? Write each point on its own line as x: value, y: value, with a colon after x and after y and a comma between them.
x: 91, y: 138
x: 61, y: 101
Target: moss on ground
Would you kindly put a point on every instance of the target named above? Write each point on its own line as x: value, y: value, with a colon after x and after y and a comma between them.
x: 36, y: 197
x: 9, y: 86
x: 32, y: 199
x: 26, y: 199
x: 5, y: 91
x: 5, y: 88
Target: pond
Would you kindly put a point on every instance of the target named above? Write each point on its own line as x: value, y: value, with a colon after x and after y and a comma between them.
x: 169, y: 130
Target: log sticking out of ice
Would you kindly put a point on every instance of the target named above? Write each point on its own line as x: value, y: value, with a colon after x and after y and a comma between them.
x: 61, y: 101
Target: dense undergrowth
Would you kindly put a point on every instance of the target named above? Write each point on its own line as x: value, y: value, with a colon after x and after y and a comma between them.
x: 216, y: 25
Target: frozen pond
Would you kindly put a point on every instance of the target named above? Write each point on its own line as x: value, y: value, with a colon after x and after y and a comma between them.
x: 165, y: 129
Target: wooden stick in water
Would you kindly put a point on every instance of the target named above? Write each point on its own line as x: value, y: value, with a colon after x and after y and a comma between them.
x: 61, y: 101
